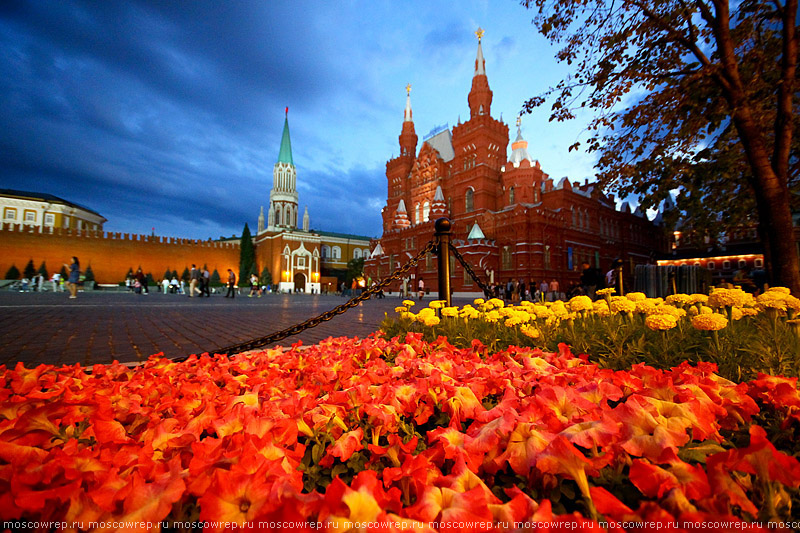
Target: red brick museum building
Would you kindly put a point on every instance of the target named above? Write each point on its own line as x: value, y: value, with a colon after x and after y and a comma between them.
x: 510, y: 219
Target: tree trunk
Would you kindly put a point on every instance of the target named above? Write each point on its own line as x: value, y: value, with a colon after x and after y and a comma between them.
x: 785, y: 264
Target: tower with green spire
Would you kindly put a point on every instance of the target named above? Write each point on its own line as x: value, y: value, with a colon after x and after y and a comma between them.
x: 283, y: 201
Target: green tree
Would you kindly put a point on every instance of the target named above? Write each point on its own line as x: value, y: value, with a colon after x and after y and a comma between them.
x: 173, y: 274
x: 13, y: 273
x: 677, y: 87
x: 266, y: 277
x: 355, y: 267
x: 167, y: 274
x: 43, y: 270
x: 88, y: 274
x: 216, y: 280
x: 247, y: 254
x: 30, y: 270
x: 186, y: 274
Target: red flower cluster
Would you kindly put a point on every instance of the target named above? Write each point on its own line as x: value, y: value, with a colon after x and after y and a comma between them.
x: 386, y: 436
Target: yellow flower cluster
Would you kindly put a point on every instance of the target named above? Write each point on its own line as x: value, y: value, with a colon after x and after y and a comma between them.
x: 777, y: 298
x: 580, y: 303
x: 661, y: 322
x: 709, y: 322
x: 620, y: 304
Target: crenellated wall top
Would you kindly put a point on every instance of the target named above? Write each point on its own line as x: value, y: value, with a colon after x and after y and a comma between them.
x: 67, y: 233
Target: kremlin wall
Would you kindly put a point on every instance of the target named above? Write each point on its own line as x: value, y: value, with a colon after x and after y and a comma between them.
x: 111, y: 255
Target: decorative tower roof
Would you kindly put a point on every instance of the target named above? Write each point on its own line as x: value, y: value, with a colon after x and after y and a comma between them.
x: 475, y: 234
x: 401, y: 220
x: 519, y: 148
x: 306, y: 220
x: 261, y: 220
x: 480, y: 96
x: 408, y: 137
x: 285, y: 154
x: 438, y: 206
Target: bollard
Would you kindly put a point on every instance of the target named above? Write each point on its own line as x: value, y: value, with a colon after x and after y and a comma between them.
x: 443, y: 226
x: 619, y: 280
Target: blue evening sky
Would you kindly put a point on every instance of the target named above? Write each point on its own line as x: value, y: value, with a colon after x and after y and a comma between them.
x: 168, y: 114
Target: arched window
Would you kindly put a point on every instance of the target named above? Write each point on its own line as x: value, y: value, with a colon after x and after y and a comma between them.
x: 511, y: 195
x: 469, y: 200
x: 365, y: 253
x: 326, y: 250
x: 416, y: 214
x: 426, y: 211
x: 357, y: 253
x: 336, y: 252
x: 574, y: 218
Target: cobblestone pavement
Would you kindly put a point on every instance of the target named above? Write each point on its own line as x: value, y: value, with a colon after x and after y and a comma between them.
x: 100, y: 326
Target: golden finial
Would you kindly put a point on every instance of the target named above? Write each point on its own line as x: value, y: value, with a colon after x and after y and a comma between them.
x: 519, y: 120
x: 408, y: 89
x: 479, y: 33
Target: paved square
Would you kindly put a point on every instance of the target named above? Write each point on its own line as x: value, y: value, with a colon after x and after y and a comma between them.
x: 100, y: 326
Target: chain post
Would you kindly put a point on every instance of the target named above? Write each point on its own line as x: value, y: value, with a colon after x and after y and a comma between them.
x: 619, y: 280
x: 443, y: 227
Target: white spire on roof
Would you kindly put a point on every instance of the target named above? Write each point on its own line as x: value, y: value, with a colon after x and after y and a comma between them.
x: 401, y: 207
x: 407, y: 114
x: 377, y: 251
x: 438, y: 196
x: 475, y: 234
x: 480, y: 64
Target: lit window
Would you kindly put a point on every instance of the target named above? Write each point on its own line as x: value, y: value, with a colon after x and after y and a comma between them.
x: 10, y: 214
x: 742, y: 263
x: 301, y: 262
x: 49, y: 219
x: 711, y: 265
x: 726, y: 265
x: 336, y: 252
x: 426, y: 211
x: 758, y: 263
x: 416, y: 214
x: 357, y: 253
x: 324, y: 251
x: 30, y: 216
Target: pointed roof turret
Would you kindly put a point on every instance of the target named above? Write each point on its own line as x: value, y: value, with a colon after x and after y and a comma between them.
x: 408, y: 137
x: 519, y: 148
x: 476, y: 234
x: 438, y: 206
x: 480, y: 95
x: 401, y: 219
x: 285, y: 154
x: 261, y: 220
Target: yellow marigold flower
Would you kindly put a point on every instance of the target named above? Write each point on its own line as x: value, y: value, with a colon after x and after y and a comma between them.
x: 736, y: 313
x: 497, y: 302
x: 408, y: 315
x: 530, y: 331
x: 782, y: 290
x: 431, y: 320
x: 620, y: 304
x: 450, y: 311
x: 646, y: 307
x: 409, y: 303
x: 469, y: 312
x: 661, y: 322
x: 542, y: 311
x: 559, y: 309
x: 698, y: 298
x: 792, y: 303
x: 493, y: 316
x: 512, y: 321
x: 580, y: 303
x: 727, y: 298
x: 710, y: 322
x: 705, y: 310
x: 772, y: 300
x: 437, y: 304
x: 679, y: 299
x: 427, y: 312
x: 636, y: 296
x: 603, y: 292
x: 601, y: 309
x: 479, y: 301
x: 666, y: 309
x: 400, y: 309
x: 748, y: 311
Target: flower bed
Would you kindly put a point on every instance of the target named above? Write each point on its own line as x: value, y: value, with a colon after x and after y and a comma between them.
x: 395, y: 435
x: 742, y: 334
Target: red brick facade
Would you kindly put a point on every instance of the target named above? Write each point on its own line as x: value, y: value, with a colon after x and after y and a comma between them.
x: 534, y: 229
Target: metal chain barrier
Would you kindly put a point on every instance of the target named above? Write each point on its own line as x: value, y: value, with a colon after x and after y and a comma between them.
x: 487, y: 291
x: 397, y: 275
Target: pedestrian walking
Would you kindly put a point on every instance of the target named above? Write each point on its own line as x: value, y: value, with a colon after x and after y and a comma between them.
x: 421, y: 292
x: 206, y: 288
x: 194, y: 279
x: 231, y: 284
x: 254, y: 288
x: 74, y: 277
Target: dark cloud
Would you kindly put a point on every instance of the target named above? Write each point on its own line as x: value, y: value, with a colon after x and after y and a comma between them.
x: 139, y: 109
